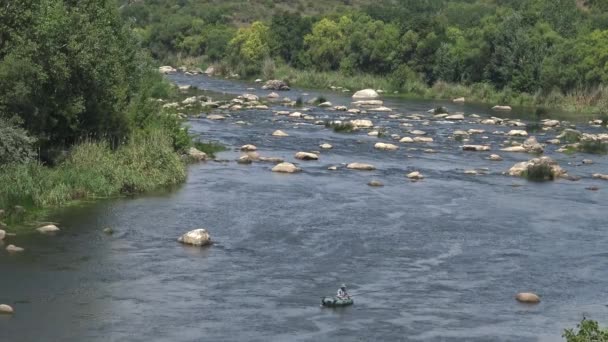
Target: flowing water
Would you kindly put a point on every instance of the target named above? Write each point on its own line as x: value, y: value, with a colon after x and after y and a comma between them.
x: 436, y: 260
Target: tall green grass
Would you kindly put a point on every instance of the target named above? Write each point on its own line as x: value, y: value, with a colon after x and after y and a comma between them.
x: 93, y: 170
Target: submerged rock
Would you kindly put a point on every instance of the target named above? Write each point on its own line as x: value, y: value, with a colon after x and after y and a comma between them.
x: 375, y: 183
x: 108, y: 231
x: 6, y: 309
x: 416, y: 175
x: 48, y: 229
x: 279, y: 133
x: 14, y: 249
x: 197, y: 237
x: 386, y: 147
x: 476, y: 148
x: 286, y: 168
x: 527, y: 297
x: 361, y: 167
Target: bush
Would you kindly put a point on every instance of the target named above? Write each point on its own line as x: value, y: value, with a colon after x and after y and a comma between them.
x: 593, y: 147
x: 93, y: 170
x: 342, y: 127
x: 588, y: 331
x: 15, y: 143
x: 210, y: 148
x: 539, y: 172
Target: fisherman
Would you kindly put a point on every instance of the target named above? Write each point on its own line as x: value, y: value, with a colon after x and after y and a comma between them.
x: 342, y: 294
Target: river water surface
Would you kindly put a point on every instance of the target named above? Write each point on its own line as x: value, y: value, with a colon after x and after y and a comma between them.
x: 436, y: 260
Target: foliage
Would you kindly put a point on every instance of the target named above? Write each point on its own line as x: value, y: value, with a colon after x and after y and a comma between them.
x: 593, y: 147
x: 16, y: 146
x: 586, y: 331
x: 340, y: 127
x: 539, y: 172
x: 94, y: 170
x: 210, y: 148
x: 249, y: 48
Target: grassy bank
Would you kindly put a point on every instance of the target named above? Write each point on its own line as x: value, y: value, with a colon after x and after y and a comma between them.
x: 93, y: 170
x: 594, y: 101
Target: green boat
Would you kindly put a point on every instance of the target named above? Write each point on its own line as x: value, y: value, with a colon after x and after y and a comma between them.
x: 333, y: 302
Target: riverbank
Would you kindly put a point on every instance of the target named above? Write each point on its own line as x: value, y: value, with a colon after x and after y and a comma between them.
x: 92, y: 170
x: 588, y: 103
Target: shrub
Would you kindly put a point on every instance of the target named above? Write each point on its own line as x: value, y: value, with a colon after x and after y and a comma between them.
x: 210, y: 148
x: 593, y: 147
x: 539, y: 172
x: 15, y: 143
x: 341, y: 127
x: 586, y: 331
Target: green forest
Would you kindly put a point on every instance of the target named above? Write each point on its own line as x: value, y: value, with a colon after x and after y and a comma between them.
x: 79, y: 117
x: 524, y: 52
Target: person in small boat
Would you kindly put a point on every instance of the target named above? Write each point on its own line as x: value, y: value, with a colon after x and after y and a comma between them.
x: 342, y: 294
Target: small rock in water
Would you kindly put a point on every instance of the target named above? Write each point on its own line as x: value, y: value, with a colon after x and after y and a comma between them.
x: 470, y: 172
x: 306, y: 156
x: 108, y: 231
x: 6, y: 309
x: 360, y: 166
x: 386, y: 147
x: 279, y: 133
x: 286, y: 168
x: 495, y: 157
x: 245, y: 160
x: 248, y: 148
x: 332, y: 168
x: 587, y: 161
x: 14, y: 249
x: 197, y: 237
x: 406, y: 140
x: 48, y: 229
x: 2, y: 234
x: 197, y: 155
x: 592, y: 188
x: 375, y: 183
x: 527, y: 297
x: 326, y: 146
x: 416, y: 175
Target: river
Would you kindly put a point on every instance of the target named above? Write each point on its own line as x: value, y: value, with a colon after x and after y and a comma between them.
x: 435, y: 260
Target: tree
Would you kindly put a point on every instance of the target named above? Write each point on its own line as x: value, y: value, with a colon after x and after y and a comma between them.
x: 287, y: 31
x: 325, y: 44
x: 588, y: 331
x: 248, y: 49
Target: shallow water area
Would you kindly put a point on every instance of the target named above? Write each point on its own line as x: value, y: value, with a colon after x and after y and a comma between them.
x: 436, y: 260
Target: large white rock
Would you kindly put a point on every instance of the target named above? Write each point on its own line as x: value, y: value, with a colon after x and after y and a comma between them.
x: 423, y: 139
x: 250, y: 97
x: 210, y: 71
x: 551, y: 123
x: 380, y: 109
x: 520, y: 168
x: 514, y: 149
x: 459, y: 100
x: 197, y: 237
x: 48, y: 229
x: 6, y: 309
x: 386, y: 147
x: 366, y: 94
x: 502, y: 108
x: 306, y: 156
x: 361, y: 167
x: 406, y: 140
x: 527, y: 297
x: 286, y: 168
x: 362, y: 123
x: 600, y: 176
x: 368, y: 103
